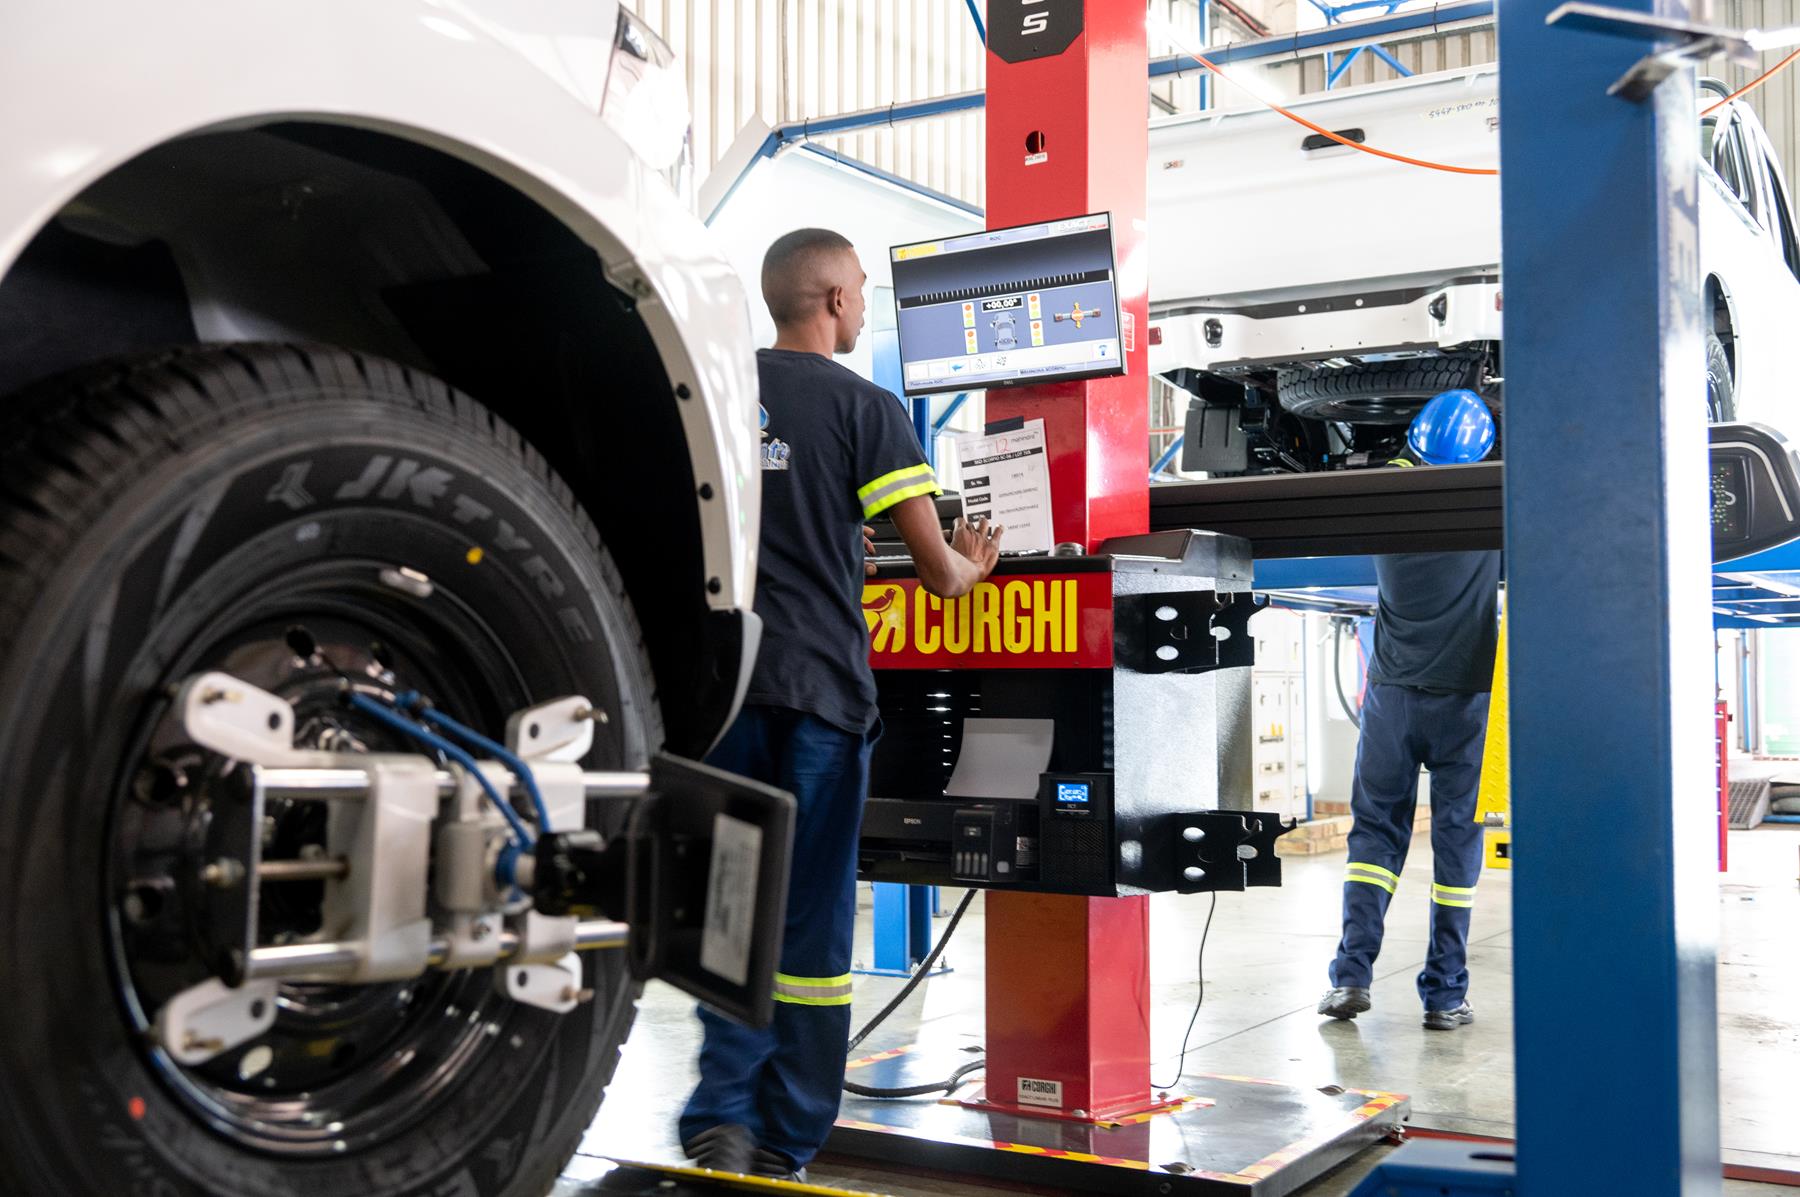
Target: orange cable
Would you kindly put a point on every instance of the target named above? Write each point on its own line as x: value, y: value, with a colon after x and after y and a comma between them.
x: 1753, y: 84
x: 1355, y: 145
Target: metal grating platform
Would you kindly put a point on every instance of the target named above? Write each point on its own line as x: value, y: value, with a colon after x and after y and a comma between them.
x: 1749, y: 803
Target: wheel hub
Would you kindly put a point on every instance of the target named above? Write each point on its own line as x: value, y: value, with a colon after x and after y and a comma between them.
x: 343, y: 1065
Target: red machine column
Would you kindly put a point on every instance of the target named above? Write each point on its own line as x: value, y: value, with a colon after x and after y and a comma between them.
x: 1068, y: 134
x: 1068, y: 117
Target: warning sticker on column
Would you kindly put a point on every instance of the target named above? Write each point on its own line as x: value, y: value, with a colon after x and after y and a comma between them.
x: 731, y: 899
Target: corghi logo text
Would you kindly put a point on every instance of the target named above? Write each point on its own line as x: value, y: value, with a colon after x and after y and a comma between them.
x: 1040, y: 616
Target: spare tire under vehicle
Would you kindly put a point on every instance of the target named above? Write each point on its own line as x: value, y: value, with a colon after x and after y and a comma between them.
x: 1376, y: 392
x: 252, y: 508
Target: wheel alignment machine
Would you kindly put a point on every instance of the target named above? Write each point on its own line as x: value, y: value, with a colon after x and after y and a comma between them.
x: 1067, y: 1098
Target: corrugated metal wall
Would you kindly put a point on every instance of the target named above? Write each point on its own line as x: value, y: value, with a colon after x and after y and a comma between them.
x: 1445, y: 52
x: 783, y: 60
x: 1777, y: 102
x: 787, y: 60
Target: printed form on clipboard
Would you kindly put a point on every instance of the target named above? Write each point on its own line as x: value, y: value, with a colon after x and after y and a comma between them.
x: 1006, y: 479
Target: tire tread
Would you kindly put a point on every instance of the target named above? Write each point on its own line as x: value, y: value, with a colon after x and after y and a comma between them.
x: 70, y: 445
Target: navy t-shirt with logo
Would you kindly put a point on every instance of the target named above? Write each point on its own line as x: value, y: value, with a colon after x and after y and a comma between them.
x: 837, y: 451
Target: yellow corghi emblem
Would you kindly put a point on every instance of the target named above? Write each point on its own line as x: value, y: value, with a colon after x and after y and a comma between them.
x: 884, y: 610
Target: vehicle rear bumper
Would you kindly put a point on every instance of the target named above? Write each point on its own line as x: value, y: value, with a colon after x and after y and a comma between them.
x: 1230, y: 340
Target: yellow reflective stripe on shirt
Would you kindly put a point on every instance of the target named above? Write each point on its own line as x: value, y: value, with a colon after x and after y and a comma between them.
x: 813, y: 991
x: 895, y: 487
x: 1453, y: 895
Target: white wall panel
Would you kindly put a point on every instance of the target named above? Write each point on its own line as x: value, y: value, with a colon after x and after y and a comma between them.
x: 787, y: 60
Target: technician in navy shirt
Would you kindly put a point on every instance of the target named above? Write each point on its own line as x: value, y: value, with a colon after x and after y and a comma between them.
x: 1436, y: 625
x: 836, y: 451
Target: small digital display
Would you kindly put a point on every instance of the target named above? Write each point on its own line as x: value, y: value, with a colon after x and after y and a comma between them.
x: 1072, y: 795
x: 1030, y: 304
x: 1730, y: 498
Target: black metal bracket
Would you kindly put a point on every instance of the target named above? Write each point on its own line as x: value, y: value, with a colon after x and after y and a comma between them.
x: 1191, y: 631
x: 1683, y: 43
x: 228, y: 888
x: 701, y: 876
x: 1225, y: 849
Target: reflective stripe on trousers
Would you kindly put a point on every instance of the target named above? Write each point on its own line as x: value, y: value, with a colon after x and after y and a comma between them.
x: 813, y: 991
x: 1453, y: 895
x: 1370, y: 874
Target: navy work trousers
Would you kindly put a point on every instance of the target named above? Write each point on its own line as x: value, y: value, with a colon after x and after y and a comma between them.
x: 784, y: 1081
x: 1402, y: 729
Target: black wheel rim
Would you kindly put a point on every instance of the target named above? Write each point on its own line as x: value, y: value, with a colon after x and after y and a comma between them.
x: 345, y: 1067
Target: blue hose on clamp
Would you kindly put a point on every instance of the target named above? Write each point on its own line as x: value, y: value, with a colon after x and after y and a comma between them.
x: 522, y: 840
x: 413, y: 702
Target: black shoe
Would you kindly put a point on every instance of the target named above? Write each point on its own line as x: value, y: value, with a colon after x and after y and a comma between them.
x: 1449, y: 1020
x: 771, y: 1163
x: 727, y: 1148
x: 1346, y: 1001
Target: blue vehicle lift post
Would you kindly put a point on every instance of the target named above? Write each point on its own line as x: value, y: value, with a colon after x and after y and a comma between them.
x: 1607, y: 561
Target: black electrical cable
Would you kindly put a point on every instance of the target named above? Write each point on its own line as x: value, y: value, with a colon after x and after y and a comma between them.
x: 919, y: 974
x: 949, y: 1083
x: 1199, y: 1000
x: 1337, y: 672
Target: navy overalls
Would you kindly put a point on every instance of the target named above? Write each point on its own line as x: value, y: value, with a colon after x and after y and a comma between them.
x: 783, y: 1082
x: 836, y: 451
x: 1426, y: 707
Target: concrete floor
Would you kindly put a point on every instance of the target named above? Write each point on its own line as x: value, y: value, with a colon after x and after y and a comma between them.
x: 1265, y: 968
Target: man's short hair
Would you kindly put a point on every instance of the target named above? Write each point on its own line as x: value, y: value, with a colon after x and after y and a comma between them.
x: 797, y: 272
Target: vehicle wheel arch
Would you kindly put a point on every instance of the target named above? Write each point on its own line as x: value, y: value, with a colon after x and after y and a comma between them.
x: 1720, y: 314
x: 387, y: 244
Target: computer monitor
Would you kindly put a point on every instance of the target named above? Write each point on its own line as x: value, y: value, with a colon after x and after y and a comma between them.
x: 1007, y: 307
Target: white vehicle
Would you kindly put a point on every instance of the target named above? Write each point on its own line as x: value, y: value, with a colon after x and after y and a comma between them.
x: 1322, y: 295
x: 345, y: 349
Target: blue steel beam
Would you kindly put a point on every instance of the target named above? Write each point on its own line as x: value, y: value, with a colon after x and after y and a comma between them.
x: 873, y: 118
x: 1205, y: 38
x: 1306, y: 573
x: 923, y: 429
x: 1607, y: 557
x: 1341, y: 36
x: 1399, y: 68
x: 1343, y: 64
x: 1168, y: 455
x: 943, y: 420
x: 1293, y: 45
x: 975, y: 16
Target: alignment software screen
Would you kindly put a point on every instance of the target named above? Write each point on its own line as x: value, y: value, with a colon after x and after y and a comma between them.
x: 1029, y: 304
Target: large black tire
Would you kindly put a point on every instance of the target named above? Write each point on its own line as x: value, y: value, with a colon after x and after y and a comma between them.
x: 1375, y: 392
x: 1721, y: 395
x: 154, y: 510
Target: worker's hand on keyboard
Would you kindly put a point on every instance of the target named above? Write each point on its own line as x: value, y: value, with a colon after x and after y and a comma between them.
x: 979, y: 542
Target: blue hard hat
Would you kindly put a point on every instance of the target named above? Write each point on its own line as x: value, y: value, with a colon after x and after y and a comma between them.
x: 1455, y: 428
